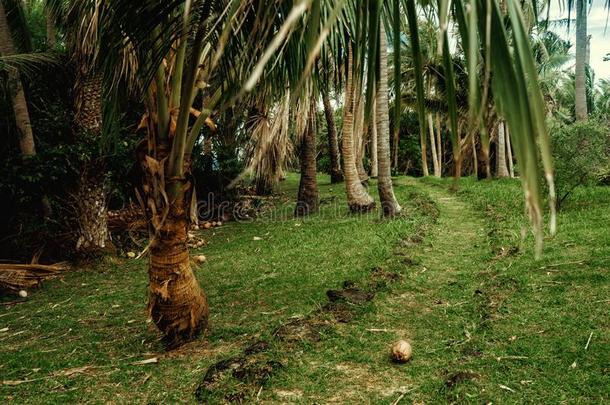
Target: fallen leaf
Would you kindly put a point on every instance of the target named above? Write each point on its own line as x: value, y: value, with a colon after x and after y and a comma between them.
x: 504, y: 387
x: 72, y: 371
x: 16, y: 382
x: 152, y: 360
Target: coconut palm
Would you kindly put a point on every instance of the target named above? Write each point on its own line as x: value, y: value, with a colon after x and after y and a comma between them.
x: 580, y: 85
x: 358, y: 199
x: 20, y: 106
x: 308, y: 200
x: 336, y: 175
x: 389, y: 204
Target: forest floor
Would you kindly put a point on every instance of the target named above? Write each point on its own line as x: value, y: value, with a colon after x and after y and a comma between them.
x: 306, y: 310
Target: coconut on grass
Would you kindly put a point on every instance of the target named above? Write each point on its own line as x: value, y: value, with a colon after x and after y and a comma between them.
x: 401, y: 351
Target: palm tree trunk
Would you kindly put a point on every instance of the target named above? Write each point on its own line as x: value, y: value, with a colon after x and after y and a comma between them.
x: 475, y: 158
x: 308, y: 199
x: 20, y: 106
x: 485, y: 157
x: 501, y: 169
x: 389, y: 204
x: 509, y: 150
x: 580, y: 98
x: 433, y: 146
x: 359, y: 134
x: 176, y: 302
x: 336, y: 175
x: 424, y: 152
x: 439, y: 143
x: 90, y: 198
x: 374, y: 140
x: 358, y: 200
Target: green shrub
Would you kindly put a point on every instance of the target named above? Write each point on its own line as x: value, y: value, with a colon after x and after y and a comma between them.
x: 581, y: 155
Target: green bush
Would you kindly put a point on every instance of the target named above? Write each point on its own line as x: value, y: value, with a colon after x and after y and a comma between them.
x: 581, y: 154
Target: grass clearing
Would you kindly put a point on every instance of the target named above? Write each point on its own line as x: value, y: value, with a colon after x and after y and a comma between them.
x: 453, y: 276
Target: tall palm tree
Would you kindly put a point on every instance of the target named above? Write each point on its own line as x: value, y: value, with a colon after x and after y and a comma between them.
x: 336, y: 175
x: 20, y: 105
x: 308, y: 200
x: 358, y: 199
x: 389, y: 204
x: 580, y: 87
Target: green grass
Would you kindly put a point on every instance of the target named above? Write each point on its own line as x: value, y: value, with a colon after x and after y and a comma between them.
x: 486, y: 321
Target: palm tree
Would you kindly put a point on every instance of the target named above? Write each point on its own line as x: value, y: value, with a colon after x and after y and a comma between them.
x: 336, y: 175
x: 308, y: 199
x: 580, y: 88
x: 20, y: 105
x: 358, y: 199
x: 389, y: 204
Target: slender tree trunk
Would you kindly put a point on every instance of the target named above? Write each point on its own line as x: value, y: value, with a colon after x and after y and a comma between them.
x: 433, y: 146
x: 439, y: 143
x: 308, y: 199
x: 360, y: 133
x: 374, y: 141
x: 20, y: 106
x: 358, y: 199
x: 485, y: 156
x: 501, y: 169
x: 389, y: 204
x: 91, y: 205
x: 475, y: 158
x: 336, y: 175
x: 580, y: 98
x: 424, y: 152
x: 509, y: 150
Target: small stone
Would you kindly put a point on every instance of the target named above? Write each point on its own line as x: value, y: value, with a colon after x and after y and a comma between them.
x: 207, y: 225
x: 23, y: 293
x: 131, y: 255
x: 218, y: 223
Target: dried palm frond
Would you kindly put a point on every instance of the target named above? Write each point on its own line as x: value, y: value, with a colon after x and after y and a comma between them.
x: 270, y: 147
x: 16, y: 277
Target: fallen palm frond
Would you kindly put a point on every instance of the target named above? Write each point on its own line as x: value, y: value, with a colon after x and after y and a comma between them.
x: 16, y: 277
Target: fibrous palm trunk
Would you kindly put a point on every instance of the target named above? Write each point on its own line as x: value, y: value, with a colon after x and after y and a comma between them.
x: 20, y: 106
x: 389, y: 204
x: 501, y: 169
x: 90, y: 196
x: 336, y: 175
x: 358, y: 199
x: 308, y: 199
x: 435, y: 163
x: 580, y: 97
x: 176, y: 302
